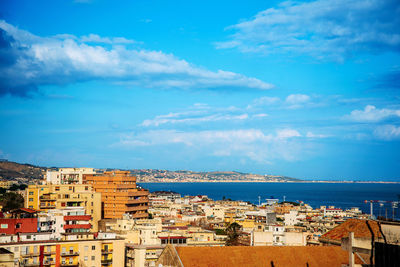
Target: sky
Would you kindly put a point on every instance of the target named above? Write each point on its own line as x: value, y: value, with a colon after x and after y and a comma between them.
x: 306, y: 89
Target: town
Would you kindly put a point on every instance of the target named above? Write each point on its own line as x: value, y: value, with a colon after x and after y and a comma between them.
x: 87, y: 217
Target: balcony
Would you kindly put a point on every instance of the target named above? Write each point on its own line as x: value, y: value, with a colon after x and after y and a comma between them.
x: 106, y: 261
x: 44, y: 206
x: 104, y: 252
x: 77, y: 226
x: 30, y: 254
x: 138, y: 201
x: 47, y: 198
x: 136, y: 208
x: 77, y: 218
x: 69, y: 253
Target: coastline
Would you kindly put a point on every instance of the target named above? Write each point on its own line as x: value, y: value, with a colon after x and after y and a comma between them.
x: 291, y: 182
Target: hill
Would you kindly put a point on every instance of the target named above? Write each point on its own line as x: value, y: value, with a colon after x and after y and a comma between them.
x: 11, y: 170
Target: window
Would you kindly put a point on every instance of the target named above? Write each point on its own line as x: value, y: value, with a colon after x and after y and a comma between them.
x: 62, y: 204
x: 86, y: 188
x: 93, y: 247
x: 93, y: 258
x: 86, y: 248
x: 86, y: 258
x: 30, y: 199
x: 4, y: 226
x: 57, y: 188
x: 31, y: 193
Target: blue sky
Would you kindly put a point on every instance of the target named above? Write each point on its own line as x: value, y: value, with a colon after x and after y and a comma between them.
x: 307, y: 89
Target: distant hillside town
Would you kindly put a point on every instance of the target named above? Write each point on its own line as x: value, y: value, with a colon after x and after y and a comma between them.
x: 27, y: 174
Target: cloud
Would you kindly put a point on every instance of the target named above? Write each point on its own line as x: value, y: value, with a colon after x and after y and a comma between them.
x: 332, y: 29
x: 372, y: 114
x: 174, y: 118
x: 260, y: 115
x: 264, y: 101
x: 292, y: 101
x: 29, y: 61
x: 248, y: 143
x: 387, y: 132
x: 94, y: 38
x: 297, y: 100
x: 312, y: 135
x: 287, y: 133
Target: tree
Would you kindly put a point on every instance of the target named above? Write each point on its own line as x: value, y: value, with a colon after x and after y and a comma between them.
x: 233, y: 231
x: 12, y: 201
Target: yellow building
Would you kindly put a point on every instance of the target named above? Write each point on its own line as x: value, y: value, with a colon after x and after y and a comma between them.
x: 48, y: 197
x: 6, y: 184
x: 89, y: 252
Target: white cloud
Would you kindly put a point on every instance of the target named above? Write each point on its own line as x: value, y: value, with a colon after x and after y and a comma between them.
x: 323, y: 28
x: 372, y: 114
x: 250, y: 143
x: 264, y: 101
x: 33, y: 61
x: 295, y: 101
x: 312, y: 135
x: 287, y: 133
x: 174, y: 118
x: 260, y: 115
x: 387, y: 132
x: 94, y: 38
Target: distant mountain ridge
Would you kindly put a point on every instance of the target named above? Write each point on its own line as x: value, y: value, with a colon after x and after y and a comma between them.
x: 11, y: 170
x: 151, y: 175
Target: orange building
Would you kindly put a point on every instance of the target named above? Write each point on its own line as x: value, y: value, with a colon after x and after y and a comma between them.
x: 119, y: 194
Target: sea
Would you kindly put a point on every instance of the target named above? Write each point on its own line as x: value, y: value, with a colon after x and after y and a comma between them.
x: 341, y: 195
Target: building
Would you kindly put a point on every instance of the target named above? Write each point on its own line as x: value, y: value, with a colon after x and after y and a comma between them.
x: 50, y: 197
x: 358, y: 227
x: 21, y: 221
x: 67, y: 175
x: 6, y: 258
x: 6, y: 184
x: 73, y: 250
x: 120, y: 194
x: 331, y: 256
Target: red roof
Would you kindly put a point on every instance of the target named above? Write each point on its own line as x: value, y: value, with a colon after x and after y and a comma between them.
x: 357, y: 226
x: 25, y: 210
x: 289, y: 256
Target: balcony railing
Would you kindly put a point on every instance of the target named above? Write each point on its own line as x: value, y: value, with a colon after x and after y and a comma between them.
x: 136, y: 208
x: 77, y: 218
x: 69, y: 253
x: 106, y: 251
x: 77, y: 226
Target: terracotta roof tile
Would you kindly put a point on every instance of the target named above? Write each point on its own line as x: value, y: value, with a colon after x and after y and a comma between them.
x: 290, y: 256
x: 359, y: 227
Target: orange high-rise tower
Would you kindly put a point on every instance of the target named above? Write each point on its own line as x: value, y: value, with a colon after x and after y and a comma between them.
x: 119, y: 194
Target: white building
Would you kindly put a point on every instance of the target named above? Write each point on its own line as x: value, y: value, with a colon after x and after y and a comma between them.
x: 67, y: 175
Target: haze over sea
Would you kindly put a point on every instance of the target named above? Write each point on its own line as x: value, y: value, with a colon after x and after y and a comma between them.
x: 343, y: 195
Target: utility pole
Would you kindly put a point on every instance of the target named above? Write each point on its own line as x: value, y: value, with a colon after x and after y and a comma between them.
x: 371, y: 208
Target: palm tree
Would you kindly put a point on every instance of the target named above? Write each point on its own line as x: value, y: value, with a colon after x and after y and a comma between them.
x: 233, y: 231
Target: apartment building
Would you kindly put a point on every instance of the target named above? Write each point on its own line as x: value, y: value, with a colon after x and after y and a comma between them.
x: 73, y: 250
x: 50, y: 197
x: 67, y: 175
x: 119, y: 194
